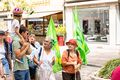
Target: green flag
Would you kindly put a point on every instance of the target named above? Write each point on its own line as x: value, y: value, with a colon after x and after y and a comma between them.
x: 79, y: 36
x: 51, y: 32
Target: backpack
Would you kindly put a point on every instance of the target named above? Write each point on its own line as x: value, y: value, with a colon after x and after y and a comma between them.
x: 77, y: 53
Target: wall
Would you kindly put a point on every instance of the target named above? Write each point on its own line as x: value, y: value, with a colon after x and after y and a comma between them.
x: 118, y: 25
x: 53, y: 5
x: 69, y: 23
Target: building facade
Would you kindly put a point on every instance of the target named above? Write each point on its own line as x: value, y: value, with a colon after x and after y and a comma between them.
x: 38, y: 20
x: 99, y: 20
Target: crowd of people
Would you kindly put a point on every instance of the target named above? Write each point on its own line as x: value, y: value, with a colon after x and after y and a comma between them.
x: 22, y: 56
x: 25, y: 49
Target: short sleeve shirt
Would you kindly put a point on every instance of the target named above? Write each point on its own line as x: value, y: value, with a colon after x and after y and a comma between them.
x: 15, y: 24
x: 17, y: 65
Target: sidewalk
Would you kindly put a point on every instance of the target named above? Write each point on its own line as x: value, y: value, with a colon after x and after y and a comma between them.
x: 86, y: 71
x: 100, y: 58
x: 95, y: 61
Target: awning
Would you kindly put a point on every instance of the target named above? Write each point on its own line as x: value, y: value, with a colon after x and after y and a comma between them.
x: 40, y: 14
x: 36, y: 15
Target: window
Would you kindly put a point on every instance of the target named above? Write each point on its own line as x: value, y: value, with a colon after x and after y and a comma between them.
x: 39, y: 26
x: 95, y: 23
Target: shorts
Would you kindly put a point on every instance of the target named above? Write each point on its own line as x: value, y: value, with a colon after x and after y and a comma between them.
x: 5, y: 66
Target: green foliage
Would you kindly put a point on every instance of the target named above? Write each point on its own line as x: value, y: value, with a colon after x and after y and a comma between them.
x: 107, y: 69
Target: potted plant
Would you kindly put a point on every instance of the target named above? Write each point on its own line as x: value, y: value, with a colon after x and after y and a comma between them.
x: 105, y: 72
x: 60, y: 31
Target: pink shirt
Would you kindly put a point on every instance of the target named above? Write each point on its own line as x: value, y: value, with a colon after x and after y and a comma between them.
x: 116, y: 74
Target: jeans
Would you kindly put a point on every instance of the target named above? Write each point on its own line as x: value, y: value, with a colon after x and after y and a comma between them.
x: 5, y: 66
x: 22, y: 75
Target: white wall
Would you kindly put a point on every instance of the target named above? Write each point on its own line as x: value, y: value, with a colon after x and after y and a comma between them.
x: 112, y: 19
x: 68, y: 22
x: 118, y: 27
x: 53, y: 5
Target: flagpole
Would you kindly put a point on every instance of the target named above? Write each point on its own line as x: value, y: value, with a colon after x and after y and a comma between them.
x: 75, y: 75
x: 75, y: 68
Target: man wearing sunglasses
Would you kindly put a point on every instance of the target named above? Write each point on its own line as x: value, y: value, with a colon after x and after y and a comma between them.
x: 20, y: 50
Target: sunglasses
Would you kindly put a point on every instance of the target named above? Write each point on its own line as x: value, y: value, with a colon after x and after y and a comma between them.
x: 27, y: 33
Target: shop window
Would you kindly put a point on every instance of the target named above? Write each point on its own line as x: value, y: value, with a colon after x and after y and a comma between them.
x: 39, y: 26
x: 85, y: 26
x: 95, y: 23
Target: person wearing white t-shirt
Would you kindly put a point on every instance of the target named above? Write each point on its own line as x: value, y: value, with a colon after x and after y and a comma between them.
x: 46, y: 62
x: 17, y: 15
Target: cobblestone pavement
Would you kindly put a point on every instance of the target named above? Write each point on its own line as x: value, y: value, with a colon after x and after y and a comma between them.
x: 86, y: 71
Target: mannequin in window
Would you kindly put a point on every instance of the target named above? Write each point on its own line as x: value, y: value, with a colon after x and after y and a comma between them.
x: 85, y: 26
x: 97, y: 26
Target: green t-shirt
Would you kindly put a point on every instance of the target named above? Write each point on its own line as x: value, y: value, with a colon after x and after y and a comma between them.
x: 18, y: 65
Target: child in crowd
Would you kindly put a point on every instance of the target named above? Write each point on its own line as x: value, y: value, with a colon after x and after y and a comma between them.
x: 17, y: 15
